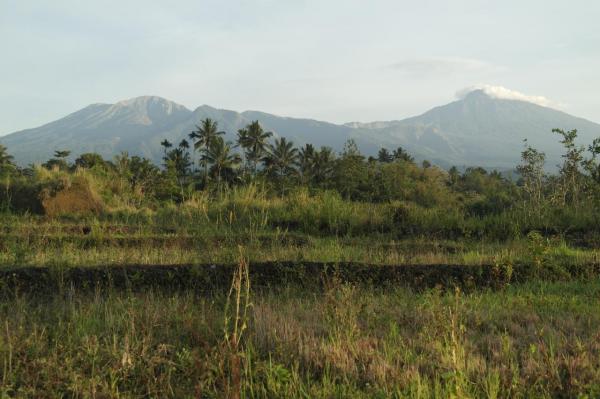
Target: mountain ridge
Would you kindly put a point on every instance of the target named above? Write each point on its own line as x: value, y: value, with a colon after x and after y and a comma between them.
x: 477, y: 129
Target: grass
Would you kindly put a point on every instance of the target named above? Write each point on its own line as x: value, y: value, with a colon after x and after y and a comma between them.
x: 533, y: 340
x: 534, y: 334
x: 43, y: 243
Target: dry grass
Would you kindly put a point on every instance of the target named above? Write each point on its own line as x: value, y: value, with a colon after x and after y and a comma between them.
x: 77, y: 197
x: 538, y: 340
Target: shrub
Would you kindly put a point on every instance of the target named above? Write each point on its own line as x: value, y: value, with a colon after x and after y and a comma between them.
x: 75, y: 197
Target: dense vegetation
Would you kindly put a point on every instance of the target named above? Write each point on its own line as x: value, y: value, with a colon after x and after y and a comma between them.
x: 397, y: 195
x: 501, y: 273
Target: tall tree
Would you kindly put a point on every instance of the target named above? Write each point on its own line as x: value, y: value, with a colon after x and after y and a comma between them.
x: 166, y: 144
x: 205, y: 134
x: 352, y: 172
x: 531, y: 170
x: 400, y: 154
x: 591, y: 165
x: 59, y: 161
x: 306, y: 158
x: 281, y: 159
x: 323, y: 166
x: 384, y: 156
x: 221, y: 158
x: 6, y: 160
x: 89, y: 160
x: 142, y: 174
x: 61, y: 154
x: 177, y: 163
x: 570, y: 173
x: 253, y: 139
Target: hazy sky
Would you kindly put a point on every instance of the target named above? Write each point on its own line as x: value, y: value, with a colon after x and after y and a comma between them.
x: 335, y: 60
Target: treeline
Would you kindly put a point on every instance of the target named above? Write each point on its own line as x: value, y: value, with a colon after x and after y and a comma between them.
x: 206, y: 163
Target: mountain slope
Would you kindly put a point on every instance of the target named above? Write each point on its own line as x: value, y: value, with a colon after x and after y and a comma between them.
x: 481, y: 130
x: 140, y: 124
x: 476, y: 130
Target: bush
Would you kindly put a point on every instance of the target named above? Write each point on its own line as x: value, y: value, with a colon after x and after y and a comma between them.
x: 76, y: 197
x: 21, y: 194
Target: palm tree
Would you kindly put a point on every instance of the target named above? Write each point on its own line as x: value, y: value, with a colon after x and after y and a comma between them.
x: 61, y: 154
x: 166, y: 144
x: 384, y: 156
x: 221, y: 158
x: 253, y: 139
x: 207, y: 132
x: 281, y: 158
x: 6, y: 160
x: 401, y: 154
x: 323, y: 165
x: 306, y: 158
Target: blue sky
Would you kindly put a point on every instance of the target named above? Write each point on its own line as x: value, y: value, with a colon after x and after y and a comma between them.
x: 335, y: 60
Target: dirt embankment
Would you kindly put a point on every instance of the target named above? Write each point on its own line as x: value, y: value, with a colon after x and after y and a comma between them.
x: 210, y: 277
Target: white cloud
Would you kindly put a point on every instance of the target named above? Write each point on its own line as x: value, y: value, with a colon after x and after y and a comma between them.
x: 506, y: 94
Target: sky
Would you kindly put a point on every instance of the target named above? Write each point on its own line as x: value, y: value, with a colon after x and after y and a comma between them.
x: 333, y: 60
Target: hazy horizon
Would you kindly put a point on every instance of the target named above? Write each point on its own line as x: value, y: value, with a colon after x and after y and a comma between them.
x: 337, y: 62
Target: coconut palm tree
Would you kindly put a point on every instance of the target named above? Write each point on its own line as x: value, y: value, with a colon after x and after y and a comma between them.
x: 306, y: 161
x: 221, y: 158
x: 166, y: 144
x: 401, y: 154
x: 323, y: 165
x: 253, y: 139
x: 281, y: 159
x: 178, y: 161
x: 6, y: 160
x: 5, y: 157
x: 205, y: 134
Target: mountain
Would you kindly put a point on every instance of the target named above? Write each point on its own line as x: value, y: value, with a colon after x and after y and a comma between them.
x: 479, y: 129
x: 139, y: 125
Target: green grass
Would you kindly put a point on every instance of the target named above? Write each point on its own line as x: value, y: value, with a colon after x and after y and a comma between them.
x: 533, y: 340
x: 529, y: 337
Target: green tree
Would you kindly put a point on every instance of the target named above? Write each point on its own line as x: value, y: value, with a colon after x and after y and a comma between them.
x: 222, y: 160
x: 384, y: 156
x: 143, y: 174
x: 532, y: 174
x: 6, y: 161
x: 400, y: 154
x: 323, y: 166
x: 166, y: 144
x: 178, y: 160
x: 351, y: 174
x: 205, y: 134
x: 89, y: 160
x: 306, y: 162
x: 570, y: 173
x: 453, y: 176
x: 61, y: 154
x: 281, y: 160
x: 253, y: 139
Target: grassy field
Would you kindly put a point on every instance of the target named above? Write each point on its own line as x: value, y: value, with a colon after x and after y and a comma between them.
x: 197, y: 237
x: 531, y: 340
x: 299, y: 297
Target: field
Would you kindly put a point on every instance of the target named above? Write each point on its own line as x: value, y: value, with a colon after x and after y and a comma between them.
x: 385, y: 279
x: 344, y: 340
x: 251, y: 299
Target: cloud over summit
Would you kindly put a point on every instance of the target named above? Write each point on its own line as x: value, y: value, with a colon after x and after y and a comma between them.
x: 501, y: 92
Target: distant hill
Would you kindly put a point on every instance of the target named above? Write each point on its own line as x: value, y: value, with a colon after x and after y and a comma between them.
x: 476, y: 130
